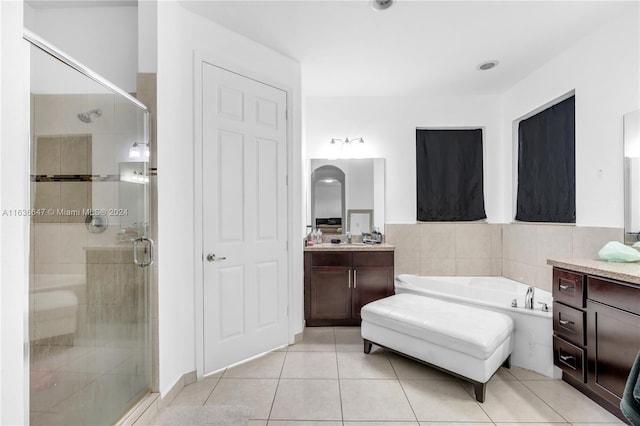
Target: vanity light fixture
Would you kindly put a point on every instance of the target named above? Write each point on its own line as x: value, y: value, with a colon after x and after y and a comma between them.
x: 136, y: 153
x: 346, y: 141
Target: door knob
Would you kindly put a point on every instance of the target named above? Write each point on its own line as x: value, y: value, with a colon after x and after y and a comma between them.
x: 211, y: 257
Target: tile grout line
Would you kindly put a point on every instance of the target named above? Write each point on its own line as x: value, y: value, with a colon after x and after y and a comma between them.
x: 273, y: 401
x: 545, y: 402
x: 212, y: 389
x: 335, y: 346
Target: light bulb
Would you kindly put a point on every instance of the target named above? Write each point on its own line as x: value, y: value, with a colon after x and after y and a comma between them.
x: 134, y: 151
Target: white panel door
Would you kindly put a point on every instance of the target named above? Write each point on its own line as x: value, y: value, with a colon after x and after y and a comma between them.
x: 244, y: 217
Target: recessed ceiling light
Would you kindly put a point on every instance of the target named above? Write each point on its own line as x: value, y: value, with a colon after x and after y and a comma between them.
x: 487, y: 65
x: 380, y: 4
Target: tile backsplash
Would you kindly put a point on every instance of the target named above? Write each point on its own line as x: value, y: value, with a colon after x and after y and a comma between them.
x: 516, y: 251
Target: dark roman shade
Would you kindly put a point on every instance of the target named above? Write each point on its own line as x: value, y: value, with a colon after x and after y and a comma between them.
x: 449, y: 177
x: 546, y: 165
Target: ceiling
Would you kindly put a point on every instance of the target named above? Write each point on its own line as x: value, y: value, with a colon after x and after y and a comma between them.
x: 416, y: 47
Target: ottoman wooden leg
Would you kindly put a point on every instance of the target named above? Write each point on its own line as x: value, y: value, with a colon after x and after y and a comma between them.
x: 367, y: 346
x: 480, y: 391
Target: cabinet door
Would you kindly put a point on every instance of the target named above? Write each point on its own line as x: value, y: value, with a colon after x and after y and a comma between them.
x: 330, y: 292
x: 369, y: 284
x: 613, y: 340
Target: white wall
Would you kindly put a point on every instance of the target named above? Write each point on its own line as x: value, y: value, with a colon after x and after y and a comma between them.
x: 102, y: 38
x: 180, y: 33
x: 14, y: 190
x: 603, y: 68
x: 388, y: 126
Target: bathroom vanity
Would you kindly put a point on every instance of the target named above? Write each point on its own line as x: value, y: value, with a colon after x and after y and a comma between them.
x: 341, y: 278
x: 596, y: 326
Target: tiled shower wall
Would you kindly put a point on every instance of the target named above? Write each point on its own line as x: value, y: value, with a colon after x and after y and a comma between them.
x: 516, y: 251
x: 57, y: 247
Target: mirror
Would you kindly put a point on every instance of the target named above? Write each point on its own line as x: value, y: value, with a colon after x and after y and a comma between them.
x: 346, y: 195
x: 632, y: 176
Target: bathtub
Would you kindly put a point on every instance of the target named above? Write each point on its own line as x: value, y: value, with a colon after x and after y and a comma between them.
x: 533, y: 343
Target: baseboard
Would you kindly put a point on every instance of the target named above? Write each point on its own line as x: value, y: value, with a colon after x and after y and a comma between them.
x: 145, y: 411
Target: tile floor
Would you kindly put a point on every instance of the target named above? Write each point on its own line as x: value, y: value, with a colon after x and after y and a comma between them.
x: 326, y: 380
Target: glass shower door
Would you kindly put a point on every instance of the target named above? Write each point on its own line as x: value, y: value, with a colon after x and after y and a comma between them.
x: 89, y: 313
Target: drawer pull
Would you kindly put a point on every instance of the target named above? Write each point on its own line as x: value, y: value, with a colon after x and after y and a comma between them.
x: 564, y: 287
x: 565, y: 322
x: 349, y: 278
x: 567, y: 358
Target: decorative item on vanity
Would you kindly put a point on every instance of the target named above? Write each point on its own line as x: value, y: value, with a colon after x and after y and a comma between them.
x: 615, y: 251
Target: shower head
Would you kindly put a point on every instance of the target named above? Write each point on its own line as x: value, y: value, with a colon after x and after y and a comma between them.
x: 85, y: 117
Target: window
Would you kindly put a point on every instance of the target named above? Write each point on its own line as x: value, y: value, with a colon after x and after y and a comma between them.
x: 546, y: 165
x: 449, y: 179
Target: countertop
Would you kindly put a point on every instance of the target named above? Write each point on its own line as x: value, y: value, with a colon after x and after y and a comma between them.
x: 350, y: 247
x: 629, y: 272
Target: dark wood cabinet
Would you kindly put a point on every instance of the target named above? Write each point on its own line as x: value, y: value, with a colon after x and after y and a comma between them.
x: 338, y: 284
x: 596, y: 330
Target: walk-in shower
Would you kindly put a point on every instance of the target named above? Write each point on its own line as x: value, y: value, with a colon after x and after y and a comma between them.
x: 89, y: 335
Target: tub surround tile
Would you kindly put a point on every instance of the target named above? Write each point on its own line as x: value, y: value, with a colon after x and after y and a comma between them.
x: 474, y: 241
x: 553, y: 241
x: 438, y: 267
x: 473, y: 267
x: 437, y: 241
x: 587, y: 241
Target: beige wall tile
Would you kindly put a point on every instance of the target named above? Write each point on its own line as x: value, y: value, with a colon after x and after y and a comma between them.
x: 473, y: 241
x: 47, y: 198
x: 47, y: 243
x: 522, y: 272
x: 544, y: 277
x: 73, y: 239
x: 47, y: 111
x: 73, y: 268
x: 105, y: 123
x: 496, y: 267
x: 438, y: 240
x: 522, y: 244
x: 553, y: 241
x: 473, y: 267
x: 496, y: 241
x: 47, y: 268
x: 75, y: 155
x: 407, y: 264
x: 104, y: 154
x: 439, y: 267
x: 70, y: 107
x: 587, y: 241
x: 47, y: 155
x: 75, y: 196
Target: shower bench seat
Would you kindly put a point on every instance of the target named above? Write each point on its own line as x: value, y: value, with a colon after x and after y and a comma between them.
x: 461, y: 340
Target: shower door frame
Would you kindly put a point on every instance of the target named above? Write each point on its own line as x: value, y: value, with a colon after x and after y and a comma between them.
x: 68, y: 60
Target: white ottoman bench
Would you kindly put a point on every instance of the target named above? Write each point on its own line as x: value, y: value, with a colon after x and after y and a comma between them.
x: 467, y: 342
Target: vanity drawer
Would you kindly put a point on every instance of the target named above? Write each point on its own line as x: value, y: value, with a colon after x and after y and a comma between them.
x: 372, y: 258
x: 569, y: 358
x: 331, y: 259
x: 568, y: 288
x: 569, y: 323
x: 619, y: 295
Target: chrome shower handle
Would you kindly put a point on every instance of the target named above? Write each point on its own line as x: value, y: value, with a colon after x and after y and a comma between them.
x: 149, y: 259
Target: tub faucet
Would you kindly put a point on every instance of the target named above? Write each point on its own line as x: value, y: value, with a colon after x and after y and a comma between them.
x: 528, y: 299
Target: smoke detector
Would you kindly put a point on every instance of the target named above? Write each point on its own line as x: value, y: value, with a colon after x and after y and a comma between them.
x: 487, y: 65
x: 380, y: 4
